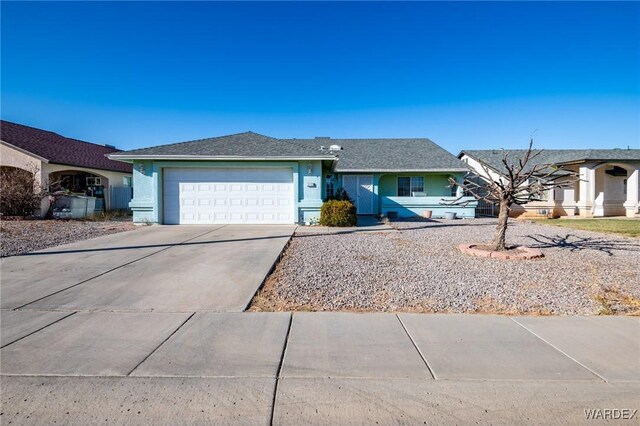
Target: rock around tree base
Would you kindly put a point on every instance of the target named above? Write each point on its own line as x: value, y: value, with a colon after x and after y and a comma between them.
x: 515, y: 253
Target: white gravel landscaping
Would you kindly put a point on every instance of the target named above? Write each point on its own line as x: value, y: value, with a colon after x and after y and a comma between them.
x: 418, y: 268
x: 23, y: 236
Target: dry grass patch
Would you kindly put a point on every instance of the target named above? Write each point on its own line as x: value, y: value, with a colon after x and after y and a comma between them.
x: 615, y: 301
x: 629, y: 228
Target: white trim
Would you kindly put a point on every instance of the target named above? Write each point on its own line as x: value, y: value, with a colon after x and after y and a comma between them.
x: 399, y: 170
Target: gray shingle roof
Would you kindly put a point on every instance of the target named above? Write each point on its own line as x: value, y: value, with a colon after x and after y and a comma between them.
x: 246, y: 144
x: 356, y: 155
x: 393, y: 155
x: 493, y: 157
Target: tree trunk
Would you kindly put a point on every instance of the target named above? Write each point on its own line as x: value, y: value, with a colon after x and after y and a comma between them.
x: 501, y: 230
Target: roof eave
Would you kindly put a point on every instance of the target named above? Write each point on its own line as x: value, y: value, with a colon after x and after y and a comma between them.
x: 484, y: 163
x: 80, y: 166
x: 128, y: 158
x: 431, y: 170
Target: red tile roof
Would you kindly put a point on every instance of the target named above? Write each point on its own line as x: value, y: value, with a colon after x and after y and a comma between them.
x: 60, y: 150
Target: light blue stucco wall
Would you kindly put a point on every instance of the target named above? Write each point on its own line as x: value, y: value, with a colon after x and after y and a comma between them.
x: 144, y: 202
x: 438, y: 199
x: 309, y: 189
x: 148, y: 185
x: 415, y: 206
x: 385, y: 197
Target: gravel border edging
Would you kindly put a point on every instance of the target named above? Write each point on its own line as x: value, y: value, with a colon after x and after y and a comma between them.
x: 527, y: 253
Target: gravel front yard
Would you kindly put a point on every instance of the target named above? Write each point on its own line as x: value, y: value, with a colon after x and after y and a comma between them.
x: 419, y: 269
x: 23, y: 236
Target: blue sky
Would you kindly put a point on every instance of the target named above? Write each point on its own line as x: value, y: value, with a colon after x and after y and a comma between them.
x: 467, y: 75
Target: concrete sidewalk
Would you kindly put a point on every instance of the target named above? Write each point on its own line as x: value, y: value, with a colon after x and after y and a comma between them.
x: 326, y: 368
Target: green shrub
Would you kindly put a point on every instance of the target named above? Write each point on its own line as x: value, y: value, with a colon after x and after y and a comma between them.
x: 338, y: 213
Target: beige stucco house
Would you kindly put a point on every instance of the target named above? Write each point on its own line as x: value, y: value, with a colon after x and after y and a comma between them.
x: 608, y: 184
x: 78, y: 166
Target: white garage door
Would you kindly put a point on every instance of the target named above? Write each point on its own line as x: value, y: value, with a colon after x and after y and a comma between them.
x: 228, y: 195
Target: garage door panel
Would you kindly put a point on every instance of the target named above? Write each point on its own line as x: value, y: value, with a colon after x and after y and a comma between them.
x: 236, y: 202
x: 209, y: 196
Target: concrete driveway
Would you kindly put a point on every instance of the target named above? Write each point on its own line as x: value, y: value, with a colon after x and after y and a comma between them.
x: 158, y: 268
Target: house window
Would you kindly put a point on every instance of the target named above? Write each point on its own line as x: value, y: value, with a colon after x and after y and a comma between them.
x: 329, y: 187
x: 417, y: 184
x: 126, y: 181
x: 404, y: 186
x: 407, y: 185
x: 93, y: 181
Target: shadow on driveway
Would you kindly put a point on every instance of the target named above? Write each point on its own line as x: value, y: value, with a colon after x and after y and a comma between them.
x: 152, y: 246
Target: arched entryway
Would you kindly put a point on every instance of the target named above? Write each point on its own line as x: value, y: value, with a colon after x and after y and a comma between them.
x: 615, y: 189
x: 78, y: 182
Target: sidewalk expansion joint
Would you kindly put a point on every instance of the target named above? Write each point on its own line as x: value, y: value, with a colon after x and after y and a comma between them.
x: 278, y: 374
x: 415, y: 345
x: 35, y: 331
x: 561, y: 351
x: 160, y: 345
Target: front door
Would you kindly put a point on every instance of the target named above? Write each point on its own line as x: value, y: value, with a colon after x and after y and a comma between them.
x: 360, y: 189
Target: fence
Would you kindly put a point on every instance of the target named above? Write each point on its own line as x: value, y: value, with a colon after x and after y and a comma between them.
x: 120, y: 197
x: 486, y: 208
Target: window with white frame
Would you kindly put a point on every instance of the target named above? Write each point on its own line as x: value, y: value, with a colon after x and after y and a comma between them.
x: 410, y: 184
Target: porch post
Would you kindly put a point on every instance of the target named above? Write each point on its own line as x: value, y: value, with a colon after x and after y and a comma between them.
x: 631, y: 205
x: 587, y: 189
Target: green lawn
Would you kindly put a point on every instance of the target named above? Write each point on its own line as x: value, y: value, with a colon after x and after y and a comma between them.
x: 630, y: 228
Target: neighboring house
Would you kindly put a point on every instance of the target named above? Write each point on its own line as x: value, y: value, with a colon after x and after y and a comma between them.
x: 251, y: 178
x: 608, y: 184
x: 78, y: 166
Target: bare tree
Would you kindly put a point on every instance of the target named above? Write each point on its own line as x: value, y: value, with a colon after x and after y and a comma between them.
x: 21, y: 191
x: 522, y: 181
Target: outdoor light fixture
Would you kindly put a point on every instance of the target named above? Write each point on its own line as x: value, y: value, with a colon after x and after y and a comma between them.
x: 309, y: 168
